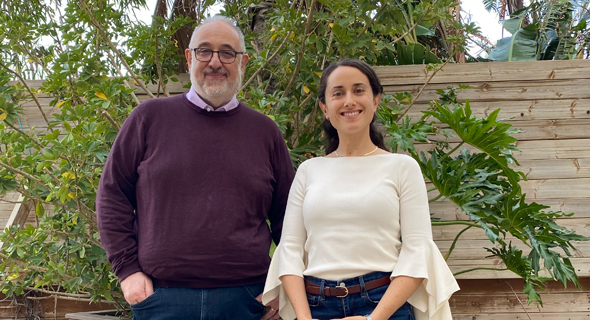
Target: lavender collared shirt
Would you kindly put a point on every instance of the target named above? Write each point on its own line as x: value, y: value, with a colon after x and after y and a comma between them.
x: 193, y: 97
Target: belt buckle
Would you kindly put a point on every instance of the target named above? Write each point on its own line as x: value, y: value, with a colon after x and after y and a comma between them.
x: 342, y: 285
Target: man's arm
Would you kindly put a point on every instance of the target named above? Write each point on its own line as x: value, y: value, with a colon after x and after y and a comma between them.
x: 116, y: 200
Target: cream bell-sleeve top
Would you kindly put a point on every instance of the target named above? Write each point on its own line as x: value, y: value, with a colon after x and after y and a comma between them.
x: 350, y: 216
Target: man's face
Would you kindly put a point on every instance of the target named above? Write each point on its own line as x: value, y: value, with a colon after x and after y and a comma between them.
x: 214, y: 81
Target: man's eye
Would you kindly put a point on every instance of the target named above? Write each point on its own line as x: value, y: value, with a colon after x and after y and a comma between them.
x: 227, y: 54
x: 204, y: 52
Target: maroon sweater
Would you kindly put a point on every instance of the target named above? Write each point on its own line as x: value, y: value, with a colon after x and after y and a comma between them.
x: 184, y: 194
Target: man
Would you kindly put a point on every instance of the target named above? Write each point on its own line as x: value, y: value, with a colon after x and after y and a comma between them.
x: 185, y: 193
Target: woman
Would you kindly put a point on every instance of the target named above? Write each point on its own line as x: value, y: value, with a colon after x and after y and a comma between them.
x: 341, y: 253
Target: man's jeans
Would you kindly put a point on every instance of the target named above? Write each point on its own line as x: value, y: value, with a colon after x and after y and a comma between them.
x: 233, y: 303
x: 358, y: 304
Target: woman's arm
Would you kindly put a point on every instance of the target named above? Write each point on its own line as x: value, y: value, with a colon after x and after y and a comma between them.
x: 399, y: 291
x: 295, y: 288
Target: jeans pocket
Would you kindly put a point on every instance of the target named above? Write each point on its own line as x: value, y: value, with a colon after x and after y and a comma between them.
x: 372, y: 297
x: 254, y: 290
x: 314, y: 300
x: 143, y: 303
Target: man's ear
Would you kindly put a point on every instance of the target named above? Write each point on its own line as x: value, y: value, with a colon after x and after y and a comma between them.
x: 189, y: 57
x: 245, y: 59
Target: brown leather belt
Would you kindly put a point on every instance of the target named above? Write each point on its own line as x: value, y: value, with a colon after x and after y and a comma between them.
x: 341, y: 292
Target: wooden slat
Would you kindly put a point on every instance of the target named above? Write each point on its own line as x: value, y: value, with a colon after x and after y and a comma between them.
x: 501, y: 303
x: 504, y: 91
x: 448, y: 211
x: 523, y: 110
x: 485, y: 72
x: 539, y: 149
x: 448, y: 232
x: 555, y: 168
x: 522, y: 315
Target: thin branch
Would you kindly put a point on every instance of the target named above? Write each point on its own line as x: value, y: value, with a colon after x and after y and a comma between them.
x: 111, y: 120
x: 52, y: 175
x: 37, y: 142
x: 422, y: 89
x: 158, y: 68
x: 519, y: 301
x: 113, y: 62
x: 301, y: 51
x: 28, y: 89
x: 328, y: 48
x: 115, y: 50
x: 368, y: 25
x: 448, y: 254
x: 413, y: 26
x: 24, y: 174
x: 266, y: 62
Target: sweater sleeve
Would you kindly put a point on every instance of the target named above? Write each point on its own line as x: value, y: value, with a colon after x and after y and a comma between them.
x: 283, y: 172
x: 289, y: 257
x: 116, y: 199
x: 419, y: 256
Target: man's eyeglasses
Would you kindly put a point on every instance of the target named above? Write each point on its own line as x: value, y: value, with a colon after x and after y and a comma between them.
x: 225, y: 56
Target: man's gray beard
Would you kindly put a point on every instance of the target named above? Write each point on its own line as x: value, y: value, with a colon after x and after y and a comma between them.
x: 218, y: 94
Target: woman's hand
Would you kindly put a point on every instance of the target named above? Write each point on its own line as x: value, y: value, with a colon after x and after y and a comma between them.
x: 353, y: 318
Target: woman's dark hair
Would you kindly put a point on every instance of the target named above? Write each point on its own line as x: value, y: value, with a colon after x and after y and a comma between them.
x: 376, y: 87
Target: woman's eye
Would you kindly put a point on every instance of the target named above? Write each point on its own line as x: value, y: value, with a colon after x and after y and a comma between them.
x: 336, y: 94
x: 359, y: 90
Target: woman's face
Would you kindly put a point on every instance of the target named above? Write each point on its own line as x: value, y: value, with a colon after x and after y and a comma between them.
x: 350, y: 104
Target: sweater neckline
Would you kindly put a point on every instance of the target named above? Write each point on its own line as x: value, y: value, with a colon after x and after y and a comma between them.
x: 212, y: 113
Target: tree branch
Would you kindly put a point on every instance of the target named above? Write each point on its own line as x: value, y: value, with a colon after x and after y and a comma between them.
x: 28, y: 89
x: 413, y: 26
x: 266, y: 62
x: 113, y: 62
x: 301, y: 51
x: 422, y: 89
x: 115, y: 50
x: 37, y: 142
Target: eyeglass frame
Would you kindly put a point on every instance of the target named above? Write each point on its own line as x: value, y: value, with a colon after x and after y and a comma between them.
x: 218, y: 54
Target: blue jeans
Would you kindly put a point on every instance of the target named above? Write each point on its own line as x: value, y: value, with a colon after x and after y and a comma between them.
x: 201, y: 304
x: 358, y: 304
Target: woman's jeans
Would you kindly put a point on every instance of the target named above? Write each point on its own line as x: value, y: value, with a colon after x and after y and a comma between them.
x: 358, y: 304
x: 233, y: 303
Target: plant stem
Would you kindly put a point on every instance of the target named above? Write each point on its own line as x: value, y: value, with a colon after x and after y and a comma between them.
x: 448, y: 254
x: 448, y: 223
x: 478, y: 268
x: 266, y: 62
x: 435, y: 198
x: 451, y: 152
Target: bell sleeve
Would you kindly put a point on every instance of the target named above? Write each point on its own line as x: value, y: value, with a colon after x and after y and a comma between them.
x: 419, y: 256
x: 289, y: 258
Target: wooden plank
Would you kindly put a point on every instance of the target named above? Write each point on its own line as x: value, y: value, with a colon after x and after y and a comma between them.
x: 538, y: 149
x: 502, y: 303
x: 19, y: 214
x: 448, y: 232
x: 556, y: 188
x: 537, y: 130
x: 522, y: 315
x: 555, y: 168
x: 523, y: 110
x: 487, y: 71
x: 498, y: 286
x: 448, y: 211
x: 504, y: 91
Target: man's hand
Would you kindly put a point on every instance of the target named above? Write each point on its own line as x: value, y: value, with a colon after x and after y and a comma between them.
x: 273, y: 312
x: 137, y: 287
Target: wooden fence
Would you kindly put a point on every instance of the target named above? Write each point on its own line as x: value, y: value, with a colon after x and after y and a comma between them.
x: 550, y: 102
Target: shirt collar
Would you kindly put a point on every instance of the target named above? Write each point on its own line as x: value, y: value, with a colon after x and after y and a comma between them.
x: 193, y: 97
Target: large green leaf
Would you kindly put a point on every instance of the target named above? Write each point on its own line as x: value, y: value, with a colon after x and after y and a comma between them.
x: 521, y: 46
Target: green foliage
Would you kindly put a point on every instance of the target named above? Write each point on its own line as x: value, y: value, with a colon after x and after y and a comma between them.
x: 88, y: 70
x: 544, y: 30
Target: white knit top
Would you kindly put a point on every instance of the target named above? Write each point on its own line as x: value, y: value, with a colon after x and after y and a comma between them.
x: 347, y: 217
